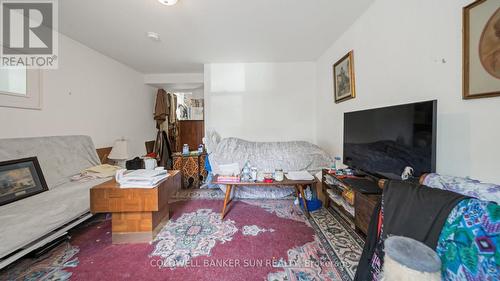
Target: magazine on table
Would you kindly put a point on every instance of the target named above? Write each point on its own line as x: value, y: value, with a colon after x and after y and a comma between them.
x: 140, y: 178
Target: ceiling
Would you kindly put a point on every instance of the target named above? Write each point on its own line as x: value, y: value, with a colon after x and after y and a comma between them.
x: 194, y: 32
x: 179, y: 87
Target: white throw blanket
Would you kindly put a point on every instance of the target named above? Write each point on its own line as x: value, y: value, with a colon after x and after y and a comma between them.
x: 266, y: 156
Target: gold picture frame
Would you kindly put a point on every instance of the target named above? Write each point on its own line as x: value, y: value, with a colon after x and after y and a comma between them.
x: 343, y: 78
x: 481, y: 49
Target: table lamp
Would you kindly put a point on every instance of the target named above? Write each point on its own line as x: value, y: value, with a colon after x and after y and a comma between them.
x: 119, y: 152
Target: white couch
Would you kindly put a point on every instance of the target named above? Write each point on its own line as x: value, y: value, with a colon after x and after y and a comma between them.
x: 265, y: 156
x: 31, y: 222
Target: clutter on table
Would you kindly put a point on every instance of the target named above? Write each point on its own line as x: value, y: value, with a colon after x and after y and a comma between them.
x: 140, y: 178
x: 228, y: 178
x: 96, y: 172
x: 185, y: 149
x: 279, y: 175
x: 233, y: 173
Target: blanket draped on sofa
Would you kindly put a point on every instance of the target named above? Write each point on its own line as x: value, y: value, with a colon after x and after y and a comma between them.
x: 25, y: 221
x: 266, y: 156
x: 468, y: 244
x: 410, y: 211
x: 463, y: 231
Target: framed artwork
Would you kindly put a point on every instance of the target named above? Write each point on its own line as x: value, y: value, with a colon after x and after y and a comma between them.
x: 19, y: 179
x: 481, y: 49
x: 343, y: 78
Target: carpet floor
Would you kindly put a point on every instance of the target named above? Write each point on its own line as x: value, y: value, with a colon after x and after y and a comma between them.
x: 257, y: 240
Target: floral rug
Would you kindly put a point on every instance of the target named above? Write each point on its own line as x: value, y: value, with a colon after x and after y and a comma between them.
x: 51, y: 266
x: 257, y: 240
x: 192, y: 235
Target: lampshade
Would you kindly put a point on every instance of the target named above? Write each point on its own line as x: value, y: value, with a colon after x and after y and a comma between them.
x: 119, y: 150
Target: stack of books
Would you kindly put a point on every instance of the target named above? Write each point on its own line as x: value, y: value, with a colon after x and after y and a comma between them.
x: 228, y: 179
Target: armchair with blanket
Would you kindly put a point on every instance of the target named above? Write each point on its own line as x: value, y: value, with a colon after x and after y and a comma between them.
x: 457, y: 217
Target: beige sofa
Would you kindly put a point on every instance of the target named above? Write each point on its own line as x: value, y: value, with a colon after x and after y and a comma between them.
x: 34, y: 221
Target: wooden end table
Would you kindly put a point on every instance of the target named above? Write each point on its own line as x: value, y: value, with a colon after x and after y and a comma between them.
x: 192, y: 167
x: 299, y: 189
x: 138, y: 214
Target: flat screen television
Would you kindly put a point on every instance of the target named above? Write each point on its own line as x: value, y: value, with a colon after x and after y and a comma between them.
x: 383, y: 141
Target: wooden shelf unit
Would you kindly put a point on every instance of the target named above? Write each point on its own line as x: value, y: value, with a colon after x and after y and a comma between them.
x: 364, y: 204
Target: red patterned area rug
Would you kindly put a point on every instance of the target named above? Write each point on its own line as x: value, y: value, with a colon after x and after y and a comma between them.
x: 257, y: 240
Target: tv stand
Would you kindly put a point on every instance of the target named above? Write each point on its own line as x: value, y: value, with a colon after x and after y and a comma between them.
x: 359, y: 173
x: 363, y: 174
x: 353, y: 198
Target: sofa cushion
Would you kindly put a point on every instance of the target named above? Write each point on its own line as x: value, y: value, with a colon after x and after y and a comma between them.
x: 26, y: 220
x: 60, y: 157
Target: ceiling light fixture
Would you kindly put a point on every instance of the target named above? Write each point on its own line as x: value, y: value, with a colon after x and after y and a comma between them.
x: 168, y: 2
x: 153, y: 35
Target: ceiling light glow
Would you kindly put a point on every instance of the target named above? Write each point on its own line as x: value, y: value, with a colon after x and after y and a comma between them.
x: 168, y: 2
x: 153, y: 35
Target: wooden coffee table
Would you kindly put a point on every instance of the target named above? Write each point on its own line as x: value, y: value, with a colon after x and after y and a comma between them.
x: 138, y: 214
x: 299, y: 189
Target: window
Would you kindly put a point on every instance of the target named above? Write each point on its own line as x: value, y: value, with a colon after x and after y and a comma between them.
x: 13, y: 81
x: 21, y: 88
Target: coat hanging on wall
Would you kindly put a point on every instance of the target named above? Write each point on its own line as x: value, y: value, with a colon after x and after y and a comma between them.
x: 160, y: 114
x: 162, y: 144
x: 163, y: 150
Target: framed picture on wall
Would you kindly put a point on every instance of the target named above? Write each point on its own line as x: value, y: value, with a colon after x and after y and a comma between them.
x: 343, y: 78
x: 481, y: 49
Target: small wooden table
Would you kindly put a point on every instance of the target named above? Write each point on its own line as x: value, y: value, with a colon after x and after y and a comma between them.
x: 192, y: 167
x: 299, y: 189
x: 138, y: 214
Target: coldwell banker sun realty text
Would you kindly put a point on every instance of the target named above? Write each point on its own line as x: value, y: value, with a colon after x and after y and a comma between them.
x: 29, y: 36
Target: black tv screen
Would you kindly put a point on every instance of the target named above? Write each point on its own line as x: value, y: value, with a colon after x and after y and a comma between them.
x: 383, y: 141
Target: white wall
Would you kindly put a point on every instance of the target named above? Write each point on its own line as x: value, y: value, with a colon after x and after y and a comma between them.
x: 197, y: 93
x: 90, y: 94
x: 398, y: 51
x: 261, y: 101
x: 173, y: 78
